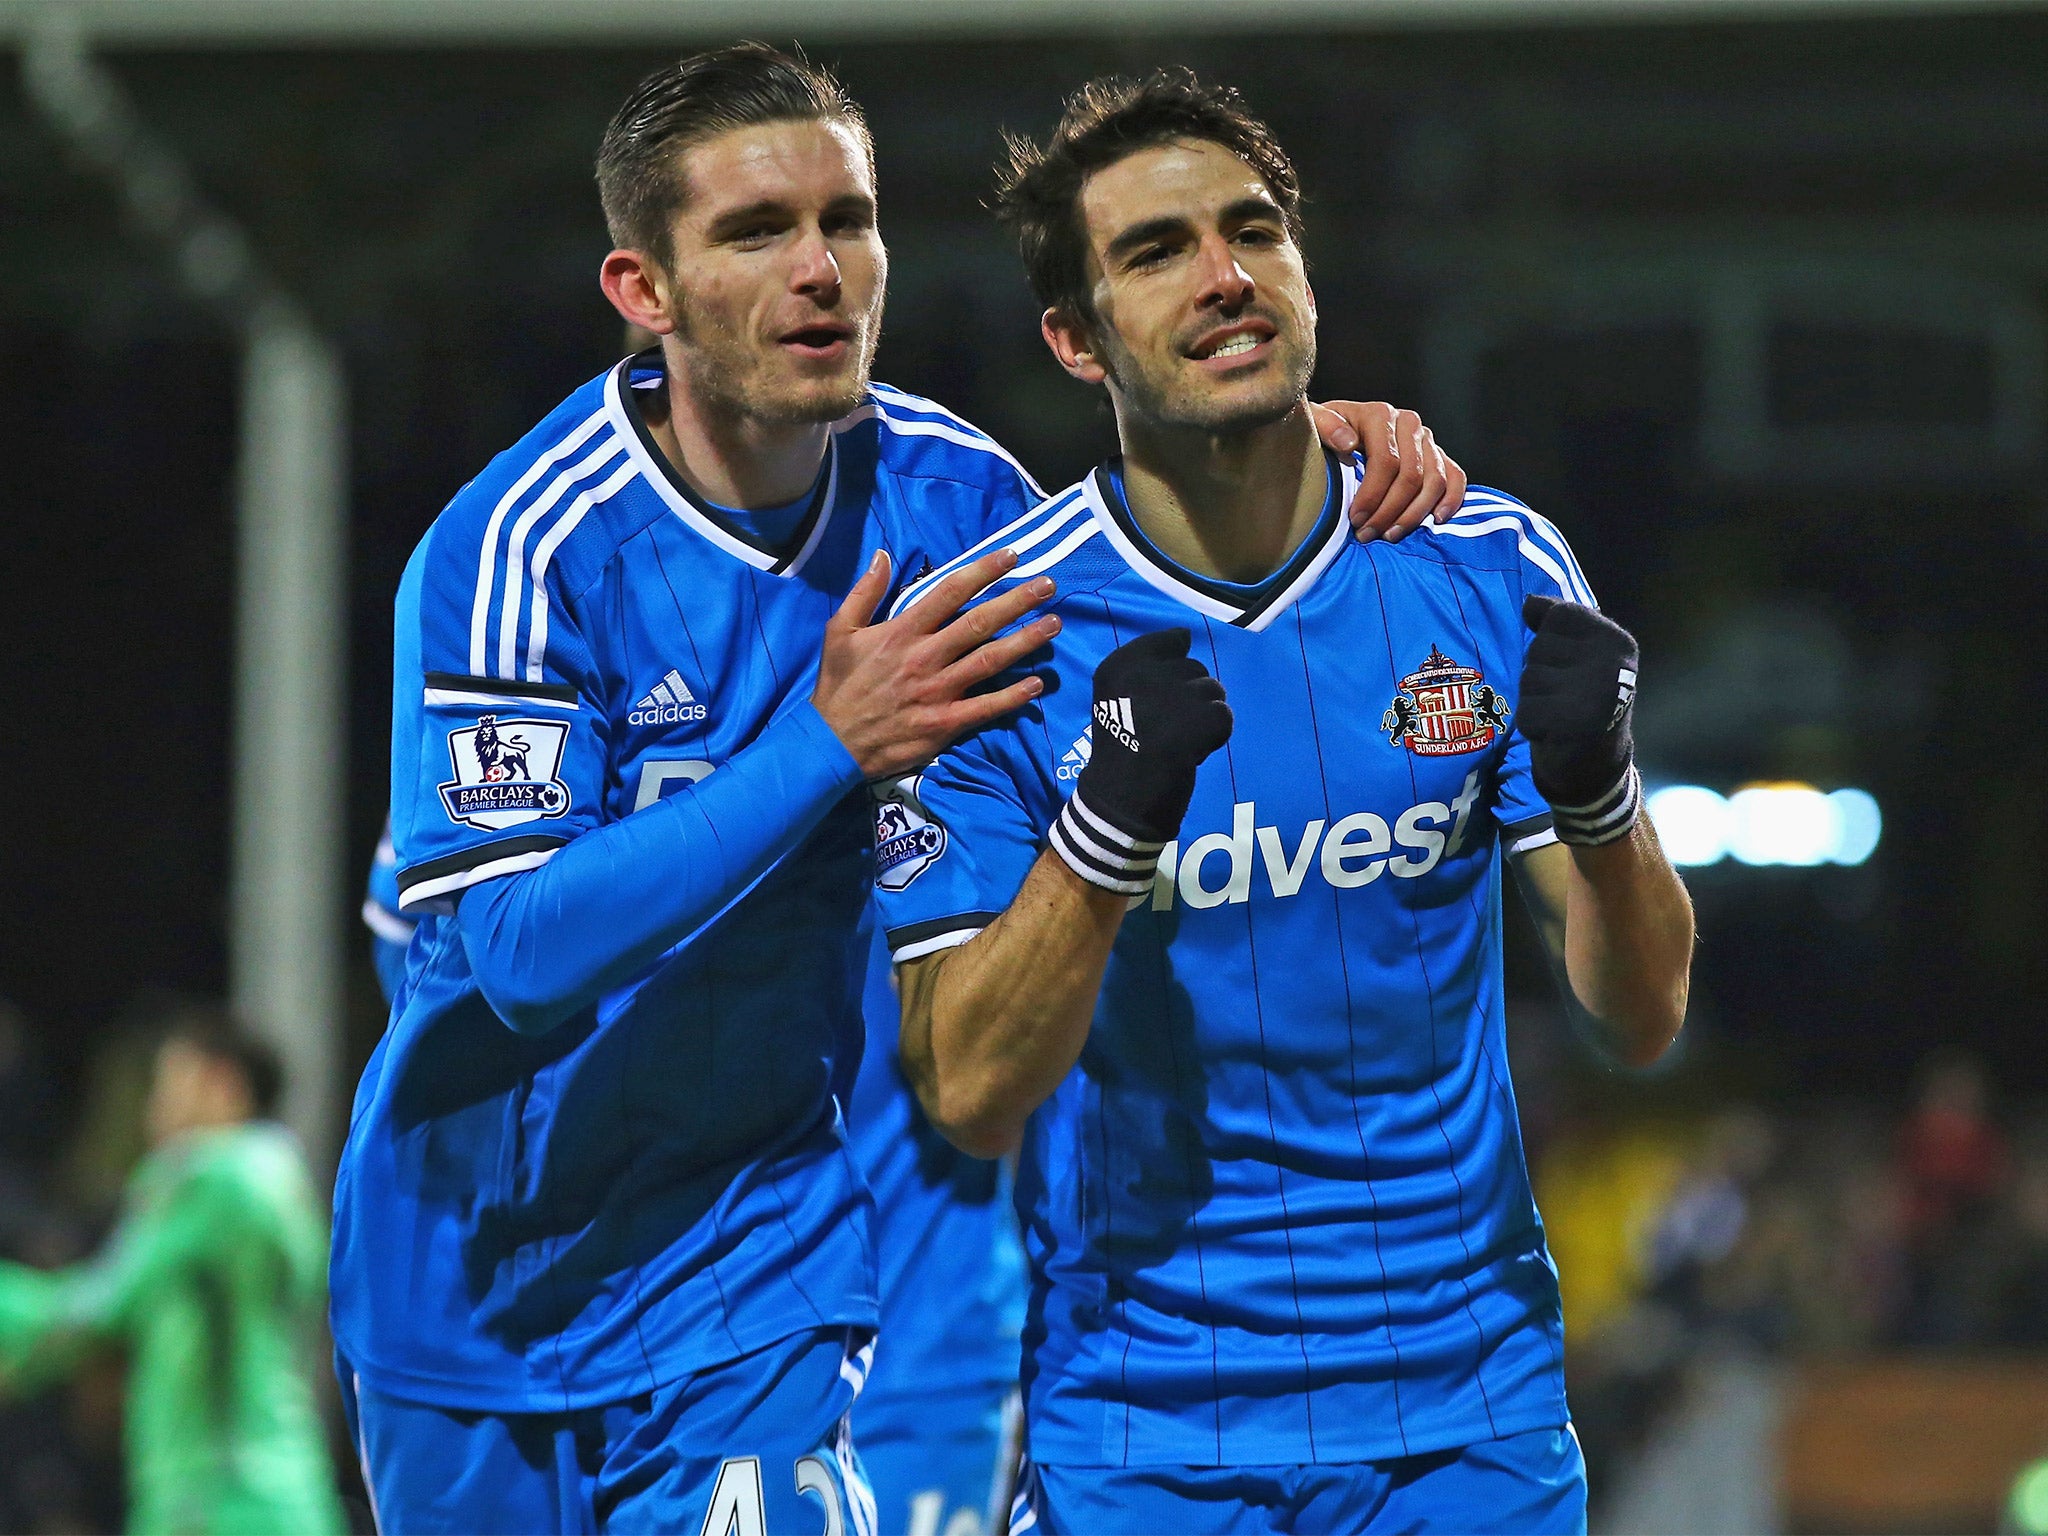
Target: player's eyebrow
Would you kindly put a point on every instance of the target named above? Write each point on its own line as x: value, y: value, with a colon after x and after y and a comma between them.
x: 736, y: 219
x: 1242, y: 211
x: 1245, y: 209
x: 1144, y: 233
x: 733, y: 219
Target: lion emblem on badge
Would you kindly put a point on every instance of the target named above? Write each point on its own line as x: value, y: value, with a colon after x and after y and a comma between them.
x: 1444, y: 707
x: 500, y: 757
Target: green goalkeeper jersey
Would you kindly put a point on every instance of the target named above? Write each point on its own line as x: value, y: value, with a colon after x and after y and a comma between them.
x: 211, y: 1278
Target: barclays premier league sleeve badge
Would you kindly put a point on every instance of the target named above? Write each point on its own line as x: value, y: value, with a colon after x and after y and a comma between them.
x: 506, y: 772
x: 906, y: 840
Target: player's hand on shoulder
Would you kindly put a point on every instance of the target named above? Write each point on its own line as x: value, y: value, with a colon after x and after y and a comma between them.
x: 1576, y: 710
x: 1408, y: 478
x: 896, y: 693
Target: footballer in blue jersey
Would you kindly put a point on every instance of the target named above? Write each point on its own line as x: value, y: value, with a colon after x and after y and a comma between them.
x: 1213, y: 926
x: 601, y: 1254
x: 602, y: 1258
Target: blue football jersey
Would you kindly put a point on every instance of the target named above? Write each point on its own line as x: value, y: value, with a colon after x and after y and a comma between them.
x: 1278, y: 1212
x: 952, y: 1274
x: 659, y: 1183
x: 390, y: 930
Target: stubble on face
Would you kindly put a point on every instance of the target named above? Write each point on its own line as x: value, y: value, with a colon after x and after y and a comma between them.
x: 731, y: 304
x: 727, y: 370
x: 1164, y: 396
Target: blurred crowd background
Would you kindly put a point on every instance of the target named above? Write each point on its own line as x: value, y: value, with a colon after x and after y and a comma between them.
x: 1748, y: 299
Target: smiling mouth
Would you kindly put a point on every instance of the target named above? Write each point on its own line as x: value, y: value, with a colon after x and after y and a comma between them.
x: 1234, y: 343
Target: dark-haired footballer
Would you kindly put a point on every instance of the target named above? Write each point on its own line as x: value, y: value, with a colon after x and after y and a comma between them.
x: 602, y: 1259
x: 1218, y: 937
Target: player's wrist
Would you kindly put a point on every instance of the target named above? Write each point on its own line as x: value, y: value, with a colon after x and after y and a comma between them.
x: 1099, y: 848
x: 1606, y: 817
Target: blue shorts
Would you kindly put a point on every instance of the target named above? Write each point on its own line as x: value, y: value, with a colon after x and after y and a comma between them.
x: 1533, y: 1482
x: 932, y: 1463
x: 757, y: 1444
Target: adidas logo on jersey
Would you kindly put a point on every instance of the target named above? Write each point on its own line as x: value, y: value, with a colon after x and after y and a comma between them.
x: 1352, y: 851
x: 1077, y: 755
x: 668, y: 702
x: 1114, y: 716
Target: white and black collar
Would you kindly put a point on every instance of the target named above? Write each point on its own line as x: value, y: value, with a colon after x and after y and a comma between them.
x: 693, y: 509
x: 1251, y: 608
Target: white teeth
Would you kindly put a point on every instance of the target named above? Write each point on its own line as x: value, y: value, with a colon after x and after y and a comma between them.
x: 1235, y: 345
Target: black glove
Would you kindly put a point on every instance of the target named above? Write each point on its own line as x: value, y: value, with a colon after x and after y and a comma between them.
x: 1158, y: 714
x: 1578, y: 694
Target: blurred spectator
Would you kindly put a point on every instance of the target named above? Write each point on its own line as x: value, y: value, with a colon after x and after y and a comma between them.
x: 1953, y: 1164
x: 217, y: 1267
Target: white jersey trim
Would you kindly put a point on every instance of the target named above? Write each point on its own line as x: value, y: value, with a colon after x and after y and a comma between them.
x: 544, y: 552
x: 932, y: 945
x: 656, y: 475
x: 430, y: 697
x: 426, y: 895
x: 1158, y: 575
x: 487, y: 556
x: 952, y: 428
x: 1050, y: 515
x: 1491, y: 515
x: 386, y: 924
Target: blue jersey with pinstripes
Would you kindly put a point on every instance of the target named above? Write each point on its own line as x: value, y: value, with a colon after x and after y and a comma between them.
x: 661, y: 1182
x: 1278, y: 1212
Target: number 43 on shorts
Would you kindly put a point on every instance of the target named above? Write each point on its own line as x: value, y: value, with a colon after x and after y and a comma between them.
x: 739, y: 1506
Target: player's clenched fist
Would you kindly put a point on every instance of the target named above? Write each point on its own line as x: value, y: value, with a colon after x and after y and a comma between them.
x: 1578, y: 694
x: 1158, y: 713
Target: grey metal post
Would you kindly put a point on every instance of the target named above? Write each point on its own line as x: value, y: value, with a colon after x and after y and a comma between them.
x: 290, y: 741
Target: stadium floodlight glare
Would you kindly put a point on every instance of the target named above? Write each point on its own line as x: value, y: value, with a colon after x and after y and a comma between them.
x: 1783, y: 824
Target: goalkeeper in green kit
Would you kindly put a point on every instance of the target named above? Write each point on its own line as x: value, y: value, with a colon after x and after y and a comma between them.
x: 216, y: 1268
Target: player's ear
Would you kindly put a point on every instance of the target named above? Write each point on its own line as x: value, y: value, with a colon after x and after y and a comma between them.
x: 638, y: 289
x: 1073, y: 343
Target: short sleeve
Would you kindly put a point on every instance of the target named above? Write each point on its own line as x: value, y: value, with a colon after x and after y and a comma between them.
x: 952, y: 847
x: 1548, y: 569
x: 1523, y: 814
x: 492, y: 768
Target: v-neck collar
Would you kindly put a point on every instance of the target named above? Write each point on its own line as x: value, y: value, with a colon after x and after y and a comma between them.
x: 1247, y: 607
x: 785, y: 559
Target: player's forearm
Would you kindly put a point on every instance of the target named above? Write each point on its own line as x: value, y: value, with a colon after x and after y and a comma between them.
x: 990, y: 1028
x: 548, y: 942
x: 1628, y: 942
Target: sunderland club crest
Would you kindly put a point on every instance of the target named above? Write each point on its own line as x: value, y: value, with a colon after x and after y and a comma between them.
x: 1444, y: 708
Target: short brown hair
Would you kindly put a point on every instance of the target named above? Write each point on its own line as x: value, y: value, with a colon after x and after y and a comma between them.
x: 639, y: 169
x: 1038, y: 186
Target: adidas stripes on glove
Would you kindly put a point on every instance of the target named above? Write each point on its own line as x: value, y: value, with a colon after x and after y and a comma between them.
x: 1158, y: 714
x: 1578, y: 694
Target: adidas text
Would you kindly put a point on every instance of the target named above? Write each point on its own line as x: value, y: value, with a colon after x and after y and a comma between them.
x: 668, y: 702
x: 666, y: 714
